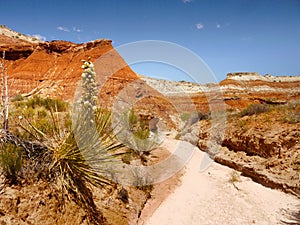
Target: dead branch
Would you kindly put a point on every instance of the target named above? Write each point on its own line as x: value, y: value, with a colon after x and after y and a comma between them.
x: 4, y: 94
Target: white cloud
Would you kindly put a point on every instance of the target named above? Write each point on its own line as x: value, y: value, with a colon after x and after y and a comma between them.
x: 76, y: 30
x: 218, y: 25
x: 187, y: 1
x: 40, y: 37
x: 65, y: 29
x: 199, y: 26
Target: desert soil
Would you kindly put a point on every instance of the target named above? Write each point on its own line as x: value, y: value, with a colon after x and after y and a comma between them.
x: 210, y: 197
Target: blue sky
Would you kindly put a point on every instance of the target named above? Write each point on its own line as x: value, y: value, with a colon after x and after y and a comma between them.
x: 229, y: 35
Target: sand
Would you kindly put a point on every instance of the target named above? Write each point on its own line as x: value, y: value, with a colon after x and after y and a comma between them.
x: 210, y: 197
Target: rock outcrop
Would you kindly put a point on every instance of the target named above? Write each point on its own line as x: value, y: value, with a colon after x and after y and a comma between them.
x: 53, y: 68
x: 263, y: 146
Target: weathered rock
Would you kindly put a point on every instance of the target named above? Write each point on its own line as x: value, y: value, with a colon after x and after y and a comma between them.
x: 38, y: 204
x: 266, y: 151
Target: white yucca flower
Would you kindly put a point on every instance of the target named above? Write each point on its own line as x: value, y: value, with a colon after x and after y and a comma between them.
x: 89, y: 86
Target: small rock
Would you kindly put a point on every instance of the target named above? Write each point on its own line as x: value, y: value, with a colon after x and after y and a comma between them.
x: 123, y: 195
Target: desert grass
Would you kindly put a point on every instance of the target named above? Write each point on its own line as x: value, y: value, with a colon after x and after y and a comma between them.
x: 255, y: 109
x: 11, y: 161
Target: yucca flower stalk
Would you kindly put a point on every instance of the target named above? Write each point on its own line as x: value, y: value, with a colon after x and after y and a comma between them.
x: 89, y: 87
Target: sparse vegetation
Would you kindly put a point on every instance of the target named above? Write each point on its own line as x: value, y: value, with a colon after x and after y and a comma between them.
x: 136, y: 134
x: 37, y: 101
x: 193, y: 117
x: 287, y: 113
x: 31, y: 114
x: 11, y: 161
x: 242, y: 123
x: 292, y: 118
x: 292, y: 112
x: 185, y: 116
x: 255, y: 109
x: 234, y: 176
x: 17, y: 98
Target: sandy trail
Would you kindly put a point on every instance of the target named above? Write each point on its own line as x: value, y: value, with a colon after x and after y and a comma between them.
x: 210, y: 198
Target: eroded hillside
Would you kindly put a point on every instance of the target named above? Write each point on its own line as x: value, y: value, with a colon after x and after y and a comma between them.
x: 260, y: 119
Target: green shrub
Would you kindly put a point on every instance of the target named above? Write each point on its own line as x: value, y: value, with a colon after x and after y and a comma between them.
x: 55, y: 105
x: 138, y: 127
x: 193, y: 117
x: 36, y: 113
x: 255, y: 109
x: 242, y: 123
x: 185, y: 116
x: 28, y: 112
x: 44, y: 125
x: 132, y: 119
x: 17, y: 98
x: 203, y: 116
x: 292, y: 118
x: 33, y: 120
x: 293, y: 105
x: 42, y: 113
x: 136, y: 133
x: 234, y: 177
x: 291, y: 112
x: 11, y: 161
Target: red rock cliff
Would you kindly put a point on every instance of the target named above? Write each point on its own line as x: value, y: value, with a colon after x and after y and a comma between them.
x: 53, y: 69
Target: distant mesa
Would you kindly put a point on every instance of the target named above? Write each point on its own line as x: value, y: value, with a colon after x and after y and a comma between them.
x: 251, y: 76
x: 242, y: 74
x: 17, y: 36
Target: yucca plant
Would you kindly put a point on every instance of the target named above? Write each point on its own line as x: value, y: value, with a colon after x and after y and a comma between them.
x: 80, y: 160
x: 87, y: 151
x: 83, y: 155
